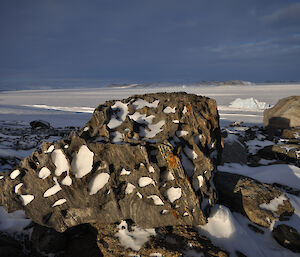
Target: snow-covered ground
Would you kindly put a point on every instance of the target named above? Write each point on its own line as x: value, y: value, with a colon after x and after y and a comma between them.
x: 74, y: 107
x: 59, y: 105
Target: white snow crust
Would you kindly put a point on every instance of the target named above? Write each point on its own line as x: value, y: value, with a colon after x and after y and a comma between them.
x: 198, y: 182
x: 26, y: 199
x: 273, y: 204
x: 98, y: 182
x: 59, y: 202
x: 129, y: 188
x: 125, y: 172
x: 118, y: 118
x: 169, y: 109
x: 17, y: 187
x: 14, y: 174
x: 280, y: 173
x: 141, y: 103
x: 173, y: 194
x: 133, y: 239
x: 181, y: 133
x: 67, y: 181
x: 151, y: 169
x: 44, y: 173
x: 50, y: 149
x: 52, y: 190
x: 156, y: 199
x: 145, y: 181
x: 82, y: 162
x: 60, y: 161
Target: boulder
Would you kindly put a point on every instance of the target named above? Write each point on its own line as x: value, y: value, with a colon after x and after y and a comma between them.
x: 284, y: 152
x: 261, y: 203
x: 288, y: 237
x: 285, y: 114
x: 148, y: 158
x: 234, y: 150
x: 39, y: 124
x: 293, y: 133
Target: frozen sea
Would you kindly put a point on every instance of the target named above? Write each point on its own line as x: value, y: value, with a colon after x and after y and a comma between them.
x: 73, y: 107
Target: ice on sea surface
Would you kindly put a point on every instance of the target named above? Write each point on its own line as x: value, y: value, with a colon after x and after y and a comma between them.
x: 249, y: 103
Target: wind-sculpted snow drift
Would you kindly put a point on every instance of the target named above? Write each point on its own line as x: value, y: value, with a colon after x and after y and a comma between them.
x: 148, y: 158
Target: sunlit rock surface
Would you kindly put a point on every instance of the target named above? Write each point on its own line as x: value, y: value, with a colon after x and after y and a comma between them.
x: 148, y: 158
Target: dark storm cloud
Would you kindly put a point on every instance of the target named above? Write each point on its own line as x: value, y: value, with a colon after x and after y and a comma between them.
x: 139, y: 40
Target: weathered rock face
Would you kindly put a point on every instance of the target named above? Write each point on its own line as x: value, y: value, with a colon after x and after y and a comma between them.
x: 285, y: 114
x: 147, y: 158
x: 261, y: 203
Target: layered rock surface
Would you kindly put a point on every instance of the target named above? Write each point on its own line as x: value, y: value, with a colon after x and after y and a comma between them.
x: 260, y: 202
x: 147, y: 158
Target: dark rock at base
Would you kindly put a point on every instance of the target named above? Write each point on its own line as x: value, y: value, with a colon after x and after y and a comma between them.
x: 77, y: 241
x: 288, y: 237
x: 248, y: 196
x: 39, y: 124
x: 81, y: 241
x: 168, y: 241
x: 48, y: 240
x: 9, y: 247
x: 285, y: 114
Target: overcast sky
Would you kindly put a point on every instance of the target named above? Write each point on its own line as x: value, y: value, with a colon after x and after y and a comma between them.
x: 149, y: 40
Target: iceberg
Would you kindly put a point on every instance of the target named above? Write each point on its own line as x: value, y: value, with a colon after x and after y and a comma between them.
x: 249, y: 103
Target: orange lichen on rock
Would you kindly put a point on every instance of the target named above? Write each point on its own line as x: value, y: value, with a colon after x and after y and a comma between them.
x: 174, y: 214
x: 173, y: 160
x: 189, y: 108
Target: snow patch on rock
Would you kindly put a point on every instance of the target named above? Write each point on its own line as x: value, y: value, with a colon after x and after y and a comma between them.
x: 98, y: 182
x: 117, y: 119
x: 129, y: 188
x: 44, y: 173
x: 14, y: 174
x: 26, y: 199
x: 59, y: 202
x: 168, y: 110
x: 156, y: 199
x: 173, y: 194
x: 274, y: 203
x: 53, y: 190
x: 141, y: 103
x: 60, y: 161
x: 82, y: 162
x: 145, y: 181
x: 135, y: 238
x: 125, y: 172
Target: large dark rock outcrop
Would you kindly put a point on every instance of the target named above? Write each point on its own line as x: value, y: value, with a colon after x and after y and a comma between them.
x: 147, y: 158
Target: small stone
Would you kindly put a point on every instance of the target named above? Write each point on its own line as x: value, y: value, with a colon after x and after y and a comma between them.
x: 288, y: 237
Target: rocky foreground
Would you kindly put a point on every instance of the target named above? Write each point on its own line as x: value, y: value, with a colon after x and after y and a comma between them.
x: 142, y: 167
